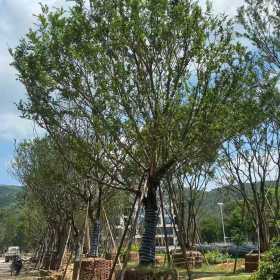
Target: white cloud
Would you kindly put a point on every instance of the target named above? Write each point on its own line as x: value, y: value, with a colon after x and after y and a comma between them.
x: 228, y: 7
x: 13, y: 127
x: 16, y: 17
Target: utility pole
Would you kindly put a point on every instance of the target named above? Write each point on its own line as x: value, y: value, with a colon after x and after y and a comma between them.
x: 221, y: 204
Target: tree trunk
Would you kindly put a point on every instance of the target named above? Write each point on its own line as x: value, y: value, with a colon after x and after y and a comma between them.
x: 147, y: 249
x: 235, y: 263
x: 95, y: 231
x: 164, y: 228
x: 264, y: 235
x: 95, y: 237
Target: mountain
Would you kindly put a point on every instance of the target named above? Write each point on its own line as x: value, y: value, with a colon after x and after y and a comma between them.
x: 213, y: 197
x: 8, y: 195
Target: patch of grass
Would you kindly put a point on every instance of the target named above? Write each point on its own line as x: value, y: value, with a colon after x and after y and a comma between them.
x: 237, y: 277
x: 222, y: 271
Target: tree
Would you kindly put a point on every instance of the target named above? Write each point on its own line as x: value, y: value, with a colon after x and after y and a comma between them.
x: 48, y: 181
x: 260, y: 19
x: 238, y: 221
x: 209, y: 229
x: 238, y: 239
x: 151, y: 84
x: 250, y: 165
x: 186, y: 190
x: 270, y: 264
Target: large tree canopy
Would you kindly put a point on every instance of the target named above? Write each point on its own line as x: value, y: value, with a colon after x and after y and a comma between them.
x: 139, y: 87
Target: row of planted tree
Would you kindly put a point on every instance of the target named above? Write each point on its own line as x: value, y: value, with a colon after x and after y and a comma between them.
x: 144, y: 103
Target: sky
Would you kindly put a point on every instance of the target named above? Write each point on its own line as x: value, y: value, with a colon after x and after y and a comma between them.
x: 16, y: 17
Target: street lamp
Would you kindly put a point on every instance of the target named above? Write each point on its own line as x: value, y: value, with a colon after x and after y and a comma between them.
x: 221, y: 204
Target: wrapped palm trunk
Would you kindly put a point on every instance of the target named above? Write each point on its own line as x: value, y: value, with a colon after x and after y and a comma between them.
x: 147, y: 249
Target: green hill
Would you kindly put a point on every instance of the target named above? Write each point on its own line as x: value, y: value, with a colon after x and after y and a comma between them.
x: 212, y: 197
x: 8, y: 194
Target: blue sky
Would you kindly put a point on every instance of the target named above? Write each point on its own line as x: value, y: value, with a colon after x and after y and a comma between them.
x: 16, y: 17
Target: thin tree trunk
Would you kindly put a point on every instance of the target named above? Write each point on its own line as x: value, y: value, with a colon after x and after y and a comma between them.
x: 39, y: 255
x: 181, y: 233
x: 235, y: 263
x: 164, y: 227
x: 45, y: 250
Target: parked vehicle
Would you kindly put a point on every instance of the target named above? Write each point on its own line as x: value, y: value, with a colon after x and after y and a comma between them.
x: 12, y: 252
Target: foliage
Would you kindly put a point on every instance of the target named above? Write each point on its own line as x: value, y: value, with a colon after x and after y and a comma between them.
x: 238, y: 223
x: 127, y: 88
x: 209, y: 229
x: 123, y: 80
x: 249, y: 159
x: 270, y: 264
x: 23, y: 224
x: 8, y: 195
x: 134, y: 247
x: 261, y: 21
x: 51, y: 203
x: 216, y: 257
x: 10, y: 228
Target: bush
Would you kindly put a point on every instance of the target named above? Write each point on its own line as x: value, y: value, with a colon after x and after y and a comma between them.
x: 134, y: 247
x: 215, y: 257
x: 270, y: 264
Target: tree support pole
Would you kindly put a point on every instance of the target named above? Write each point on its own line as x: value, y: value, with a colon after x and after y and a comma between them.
x: 133, y: 231
x: 164, y: 227
x: 80, y: 249
x: 123, y: 237
x: 65, y: 247
x: 111, y: 234
x: 125, y: 230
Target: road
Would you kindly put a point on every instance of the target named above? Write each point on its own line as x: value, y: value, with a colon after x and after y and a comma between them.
x: 4, y: 269
x: 25, y: 274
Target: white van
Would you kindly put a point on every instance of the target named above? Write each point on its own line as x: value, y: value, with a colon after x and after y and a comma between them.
x: 11, y: 252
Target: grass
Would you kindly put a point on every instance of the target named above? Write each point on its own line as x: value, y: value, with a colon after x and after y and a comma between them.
x: 236, y: 277
x: 223, y: 271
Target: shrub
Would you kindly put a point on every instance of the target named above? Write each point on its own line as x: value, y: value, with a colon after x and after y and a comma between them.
x: 215, y: 257
x: 134, y: 247
x: 270, y: 264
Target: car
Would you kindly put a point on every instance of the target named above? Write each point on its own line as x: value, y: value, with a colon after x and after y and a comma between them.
x: 12, y: 252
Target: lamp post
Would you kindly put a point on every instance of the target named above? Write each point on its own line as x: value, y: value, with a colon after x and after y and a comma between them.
x: 221, y: 204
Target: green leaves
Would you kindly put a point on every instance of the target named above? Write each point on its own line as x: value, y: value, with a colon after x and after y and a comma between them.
x: 159, y: 80
x: 261, y: 21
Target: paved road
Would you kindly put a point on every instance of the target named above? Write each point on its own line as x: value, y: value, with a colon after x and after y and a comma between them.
x: 5, y: 273
x: 4, y: 269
